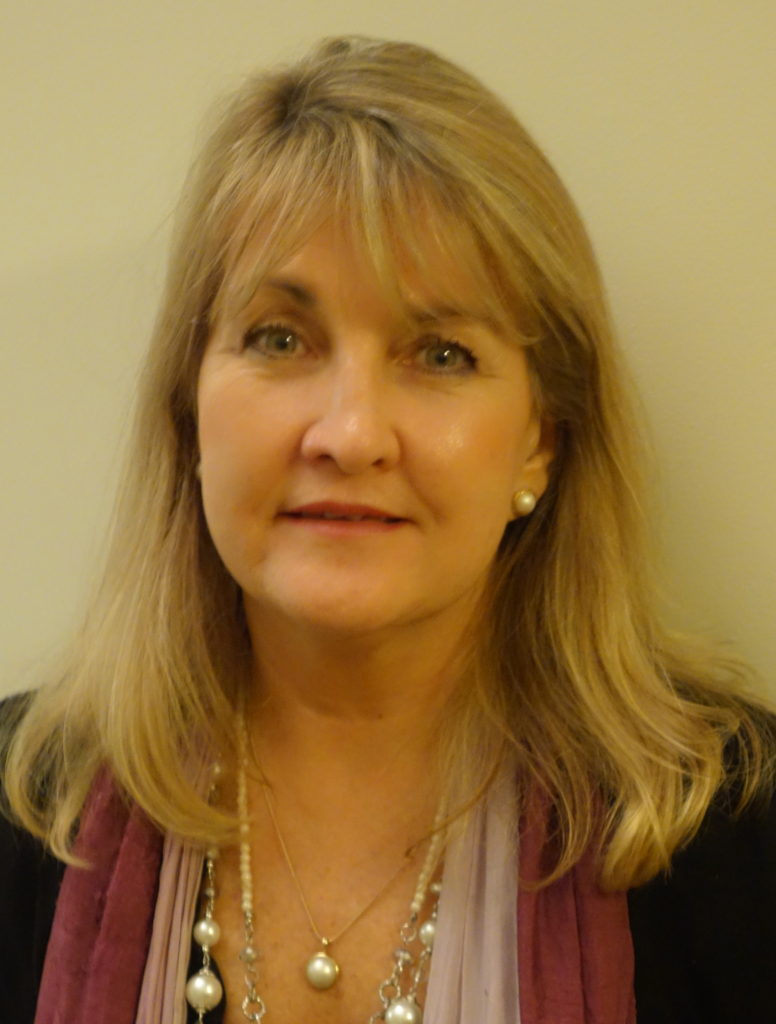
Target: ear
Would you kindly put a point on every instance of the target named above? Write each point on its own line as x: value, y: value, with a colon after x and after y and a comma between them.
x: 534, y: 474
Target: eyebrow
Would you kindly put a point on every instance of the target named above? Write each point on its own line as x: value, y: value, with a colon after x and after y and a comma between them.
x: 424, y: 314
x: 297, y: 291
x: 417, y: 313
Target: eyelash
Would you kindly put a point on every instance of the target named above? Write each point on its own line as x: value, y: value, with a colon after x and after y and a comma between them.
x: 255, y: 335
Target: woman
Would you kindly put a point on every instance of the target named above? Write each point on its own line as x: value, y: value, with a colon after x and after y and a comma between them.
x: 375, y: 638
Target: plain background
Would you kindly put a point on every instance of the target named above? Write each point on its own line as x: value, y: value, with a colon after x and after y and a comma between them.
x: 661, y: 117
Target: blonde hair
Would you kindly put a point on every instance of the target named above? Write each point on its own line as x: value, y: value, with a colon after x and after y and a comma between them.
x: 626, y: 733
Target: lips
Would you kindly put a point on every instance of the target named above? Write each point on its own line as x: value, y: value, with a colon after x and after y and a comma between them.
x: 331, y: 511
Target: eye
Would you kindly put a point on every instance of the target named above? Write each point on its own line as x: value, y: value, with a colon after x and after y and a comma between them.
x: 275, y: 341
x: 438, y: 355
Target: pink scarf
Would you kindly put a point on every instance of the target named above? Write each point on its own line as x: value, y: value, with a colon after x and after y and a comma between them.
x: 575, y: 951
x: 99, y: 939
x: 566, y: 957
x: 573, y: 963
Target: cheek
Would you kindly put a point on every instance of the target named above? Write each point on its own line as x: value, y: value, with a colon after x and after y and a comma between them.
x: 223, y: 418
x: 234, y: 427
x: 481, y: 453
x: 236, y: 461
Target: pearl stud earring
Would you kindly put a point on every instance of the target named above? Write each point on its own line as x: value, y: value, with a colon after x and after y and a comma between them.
x: 523, y: 503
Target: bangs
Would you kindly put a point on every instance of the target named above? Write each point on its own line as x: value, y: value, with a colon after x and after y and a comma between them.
x: 413, y: 221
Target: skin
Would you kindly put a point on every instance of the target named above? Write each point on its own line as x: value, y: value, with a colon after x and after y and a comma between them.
x: 318, y: 391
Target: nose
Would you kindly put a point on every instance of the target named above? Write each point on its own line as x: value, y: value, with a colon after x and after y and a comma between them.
x: 353, y: 425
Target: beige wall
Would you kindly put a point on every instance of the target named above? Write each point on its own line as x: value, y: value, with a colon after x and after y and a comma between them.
x: 659, y: 114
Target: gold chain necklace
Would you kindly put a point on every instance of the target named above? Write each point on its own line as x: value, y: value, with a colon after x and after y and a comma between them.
x: 322, y: 970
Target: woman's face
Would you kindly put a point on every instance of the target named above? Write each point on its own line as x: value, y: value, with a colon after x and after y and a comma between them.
x: 358, y: 466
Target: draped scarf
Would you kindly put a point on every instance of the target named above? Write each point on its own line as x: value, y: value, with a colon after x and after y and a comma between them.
x: 563, y: 955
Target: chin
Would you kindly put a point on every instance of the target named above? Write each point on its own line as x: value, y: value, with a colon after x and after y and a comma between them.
x: 311, y: 605
x: 339, y: 619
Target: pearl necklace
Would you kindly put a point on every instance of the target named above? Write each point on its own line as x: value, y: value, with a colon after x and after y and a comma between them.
x: 203, y: 989
x: 398, y: 993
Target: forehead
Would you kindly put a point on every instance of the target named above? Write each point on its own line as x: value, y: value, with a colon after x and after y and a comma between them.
x: 437, y: 271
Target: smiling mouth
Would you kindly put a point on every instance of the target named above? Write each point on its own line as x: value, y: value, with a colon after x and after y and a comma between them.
x: 342, y: 518
x: 342, y: 512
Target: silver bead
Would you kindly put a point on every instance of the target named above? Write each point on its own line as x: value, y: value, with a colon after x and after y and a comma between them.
x: 402, y: 956
x: 203, y: 991
x: 206, y: 932
x: 436, y: 888
x: 322, y: 970
x: 427, y: 933
x: 248, y: 955
x: 403, y: 1011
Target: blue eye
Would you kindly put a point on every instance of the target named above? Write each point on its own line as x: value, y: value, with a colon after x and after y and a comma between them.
x: 439, y: 356
x: 274, y: 341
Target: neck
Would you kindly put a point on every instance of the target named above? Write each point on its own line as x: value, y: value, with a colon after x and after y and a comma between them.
x: 406, y: 673
x: 363, y: 708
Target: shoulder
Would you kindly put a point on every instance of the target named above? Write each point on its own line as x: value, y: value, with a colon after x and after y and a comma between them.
x: 29, y: 885
x: 704, y: 934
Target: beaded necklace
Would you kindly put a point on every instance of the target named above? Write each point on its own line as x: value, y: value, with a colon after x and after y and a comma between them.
x: 397, y: 994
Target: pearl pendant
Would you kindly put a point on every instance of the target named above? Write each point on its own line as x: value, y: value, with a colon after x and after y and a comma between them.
x: 204, y: 991
x: 403, y: 1011
x: 322, y: 970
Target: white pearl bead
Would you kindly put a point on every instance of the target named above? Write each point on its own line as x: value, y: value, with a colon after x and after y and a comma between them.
x: 427, y: 933
x: 322, y: 971
x: 206, y: 932
x: 203, y: 990
x: 403, y: 1011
